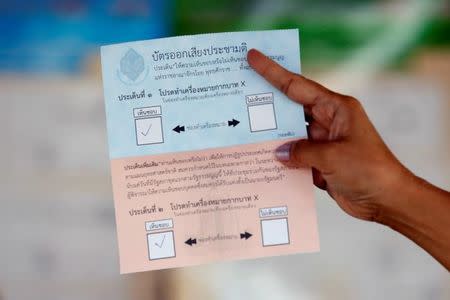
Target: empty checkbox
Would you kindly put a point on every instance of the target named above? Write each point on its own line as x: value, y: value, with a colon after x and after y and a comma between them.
x: 262, y: 117
x: 275, y: 232
x: 161, y: 245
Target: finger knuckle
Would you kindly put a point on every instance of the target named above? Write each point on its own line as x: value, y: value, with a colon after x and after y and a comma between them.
x: 286, y: 86
x: 266, y: 71
x: 353, y: 102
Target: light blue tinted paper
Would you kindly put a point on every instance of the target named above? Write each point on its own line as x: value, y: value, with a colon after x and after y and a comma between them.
x: 195, y: 92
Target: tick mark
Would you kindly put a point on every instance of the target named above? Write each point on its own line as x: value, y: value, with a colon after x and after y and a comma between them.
x: 162, y: 242
x: 148, y: 130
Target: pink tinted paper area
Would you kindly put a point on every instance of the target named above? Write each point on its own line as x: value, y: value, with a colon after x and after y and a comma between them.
x: 295, y: 192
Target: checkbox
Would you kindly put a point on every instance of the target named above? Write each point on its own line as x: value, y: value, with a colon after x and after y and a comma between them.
x: 161, y: 245
x: 262, y: 117
x: 149, y: 131
x: 275, y: 232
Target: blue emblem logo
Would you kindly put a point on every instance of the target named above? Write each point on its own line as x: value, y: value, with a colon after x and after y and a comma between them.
x: 132, y: 69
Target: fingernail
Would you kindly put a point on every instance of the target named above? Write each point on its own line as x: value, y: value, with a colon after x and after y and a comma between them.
x: 283, y: 152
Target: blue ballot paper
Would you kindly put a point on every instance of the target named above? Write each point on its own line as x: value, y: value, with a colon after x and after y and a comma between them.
x: 201, y: 84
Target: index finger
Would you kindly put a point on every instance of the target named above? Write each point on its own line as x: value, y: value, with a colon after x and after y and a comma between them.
x: 295, y: 86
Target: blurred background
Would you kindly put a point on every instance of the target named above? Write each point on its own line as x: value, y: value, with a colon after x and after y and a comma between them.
x: 57, y: 229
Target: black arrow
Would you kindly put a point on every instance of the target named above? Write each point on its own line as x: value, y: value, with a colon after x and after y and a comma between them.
x: 191, y: 241
x: 246, y: 235
x: 178, y: 129
x: 233, y: 123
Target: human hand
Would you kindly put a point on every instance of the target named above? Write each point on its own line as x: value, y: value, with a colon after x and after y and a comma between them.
x: 348, y: 158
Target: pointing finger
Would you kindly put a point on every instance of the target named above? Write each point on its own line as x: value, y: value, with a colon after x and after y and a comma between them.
x: 296, y: 87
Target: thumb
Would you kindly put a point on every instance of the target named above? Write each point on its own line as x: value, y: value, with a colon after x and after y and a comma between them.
x: 305, y: 153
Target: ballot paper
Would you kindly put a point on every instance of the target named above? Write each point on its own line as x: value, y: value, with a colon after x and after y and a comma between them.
x: 192, y: 131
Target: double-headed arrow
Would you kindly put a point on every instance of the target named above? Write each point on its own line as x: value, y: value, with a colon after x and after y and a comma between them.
x: 180, y: 128
x: 191, y: 241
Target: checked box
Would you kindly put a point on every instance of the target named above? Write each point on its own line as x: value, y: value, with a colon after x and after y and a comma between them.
x: 161, y: 245
x: 149, y: 131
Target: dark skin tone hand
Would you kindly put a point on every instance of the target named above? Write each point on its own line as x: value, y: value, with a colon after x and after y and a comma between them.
x: 352, y: 163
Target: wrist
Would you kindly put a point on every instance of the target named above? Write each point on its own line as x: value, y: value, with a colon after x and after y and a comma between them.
x: 398, y: 187
x: 417, y: 209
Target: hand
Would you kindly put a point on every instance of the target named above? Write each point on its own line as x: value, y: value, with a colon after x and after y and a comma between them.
x: 348, y: 158
x: 351, y: 162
